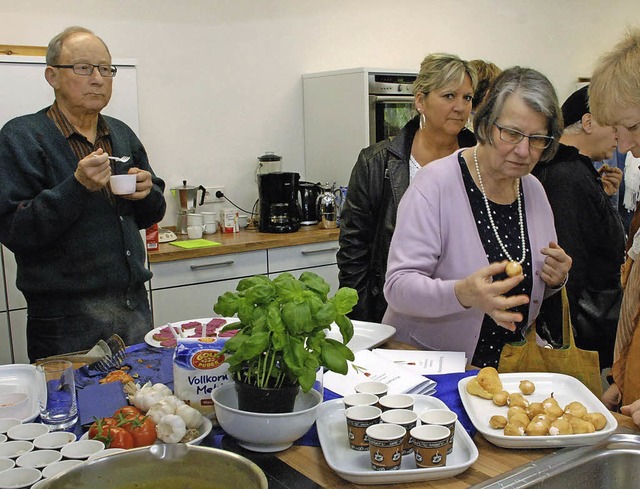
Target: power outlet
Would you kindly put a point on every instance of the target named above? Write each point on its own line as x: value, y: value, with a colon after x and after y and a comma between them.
x: 210, y: 195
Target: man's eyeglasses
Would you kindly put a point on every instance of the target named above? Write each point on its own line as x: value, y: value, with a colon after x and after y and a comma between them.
x: 512, y: 136
x: 86, y: 69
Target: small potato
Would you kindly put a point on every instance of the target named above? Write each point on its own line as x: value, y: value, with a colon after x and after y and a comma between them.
x: 514, y: 410
x: 517, y: 399
x: 552, y: 407
x: 476, y: 389
x: 539, y: 426
x: 498, y: 422
x: 500, y: 399
x: 489, y: 380
x: 560, y: 426
x: 514, y: 429
x: 580, y: 426
x: 596, y: 419
x: 576, y: 409
x: 535, y: 408
x: 527, y: 387
x: 521, y: 418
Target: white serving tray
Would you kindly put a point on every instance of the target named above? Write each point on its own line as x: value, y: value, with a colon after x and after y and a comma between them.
x: 565, y: 389
x: 355, y: 466
x: 21, y: 378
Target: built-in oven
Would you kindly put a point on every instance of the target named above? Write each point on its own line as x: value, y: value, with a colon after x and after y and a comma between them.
x: 391, y: 104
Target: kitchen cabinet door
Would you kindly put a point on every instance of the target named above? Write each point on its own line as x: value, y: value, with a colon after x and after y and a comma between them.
x: 5, y: 343
x: 15, y: 299
x: 302, y: 256
x: 18, y: 324
x: 189, y: 301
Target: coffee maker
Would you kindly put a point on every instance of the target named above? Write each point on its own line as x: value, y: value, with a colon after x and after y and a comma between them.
x: 279, y: 208
x: 187, y: 198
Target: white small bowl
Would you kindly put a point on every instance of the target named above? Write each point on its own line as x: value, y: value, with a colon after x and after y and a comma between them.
x: 27, y: 431
x: 15, y: 448
x: 6, y: 423
x: 123, y: 184
x: 14, y: 405
x: 6, y: 464
x: 3, y: 437
x: 54, y: 440
x: 41, y: 484
x: 82, y: 449
x: 57, y: 467
x: 105, y: 452
x: 19, y: 477
x: 38, y: 458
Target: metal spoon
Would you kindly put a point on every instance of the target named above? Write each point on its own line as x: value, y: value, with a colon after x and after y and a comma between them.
x: 122, y: 159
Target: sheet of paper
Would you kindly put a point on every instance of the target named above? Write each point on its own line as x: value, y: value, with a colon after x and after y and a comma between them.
x: 368, y: 366
x: 426, y: 362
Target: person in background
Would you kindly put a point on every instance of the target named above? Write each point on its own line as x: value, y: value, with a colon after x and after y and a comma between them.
x: 614, y: 95
x: 487, y: 72
x: 589, y: 229
x: 443, y: 93
x: 618, y: 160
x: 474, y: 252
x: 80, y: 256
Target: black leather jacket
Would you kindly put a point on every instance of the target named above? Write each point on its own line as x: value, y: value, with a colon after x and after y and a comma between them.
x: 378, y: 181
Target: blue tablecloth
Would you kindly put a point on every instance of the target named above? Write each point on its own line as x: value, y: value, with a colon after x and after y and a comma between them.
x: 152, y: 364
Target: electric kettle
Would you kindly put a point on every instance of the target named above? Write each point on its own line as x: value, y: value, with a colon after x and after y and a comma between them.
x: 327, y: 207
x: 309, y: 193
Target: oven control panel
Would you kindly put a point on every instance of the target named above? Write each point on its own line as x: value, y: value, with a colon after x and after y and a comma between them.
x: 391, y: 84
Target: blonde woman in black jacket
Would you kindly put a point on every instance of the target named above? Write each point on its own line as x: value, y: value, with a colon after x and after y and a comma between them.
x: 443, y: 93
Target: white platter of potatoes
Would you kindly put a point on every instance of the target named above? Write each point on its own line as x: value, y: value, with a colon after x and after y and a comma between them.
x: 565, y: 390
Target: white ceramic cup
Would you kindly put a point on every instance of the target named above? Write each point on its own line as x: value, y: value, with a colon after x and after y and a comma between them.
x: 209, y: 217
x: 194, y: 232
x: 123, y: 184
x: 210, y: 227
x: 195, y: 220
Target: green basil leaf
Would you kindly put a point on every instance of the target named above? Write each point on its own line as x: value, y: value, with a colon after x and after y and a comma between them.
x: 261, y: 294
x: 316, y: 283
x: 294, y: 354
x: 227, y: 304
x: 247, y: 283
x: 346, y: 328
x: 345, y: 299
x: 254, y: 346
x: 296, y: 317
x: 333, y: 357
x: 326, y: 315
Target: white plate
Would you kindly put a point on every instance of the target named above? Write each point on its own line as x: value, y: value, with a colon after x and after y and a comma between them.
x: 356, y: 466
x: 565, y: 389
x: 204, y: 430
x: 365, y: 335
x: 148, y: 338
x: 21, y: 378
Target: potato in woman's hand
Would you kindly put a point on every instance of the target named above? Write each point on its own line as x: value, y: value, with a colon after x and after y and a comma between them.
x: 489, y: 380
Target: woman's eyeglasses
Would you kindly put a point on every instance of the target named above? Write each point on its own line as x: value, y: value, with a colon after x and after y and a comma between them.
x: 512, y: 136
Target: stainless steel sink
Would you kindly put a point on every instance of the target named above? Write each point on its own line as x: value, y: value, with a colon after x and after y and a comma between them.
x: 612, y: 463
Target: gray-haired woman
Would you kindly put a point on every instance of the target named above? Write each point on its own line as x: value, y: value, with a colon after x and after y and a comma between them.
x: 474, y: 251
x: 443, y: 94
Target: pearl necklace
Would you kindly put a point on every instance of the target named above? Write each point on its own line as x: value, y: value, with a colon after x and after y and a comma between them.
x: 513, y: 262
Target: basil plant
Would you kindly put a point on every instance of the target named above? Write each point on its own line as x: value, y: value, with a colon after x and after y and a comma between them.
x: 282, y: 331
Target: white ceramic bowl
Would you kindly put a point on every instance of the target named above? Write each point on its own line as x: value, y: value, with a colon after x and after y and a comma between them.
x: 262, y: 432
x: 38, y: 458
x: 123, y: 184
x: 6, y: 423
x: 27, y: 431
x: 58, y: 467
x: 41, y: 484
x: 54, y: 440
x: 6, y: 464
x: 15, y: 448
x: 81, y: 449
x: 3, y: 437
x: 14, y: 405
x: 19, y: 477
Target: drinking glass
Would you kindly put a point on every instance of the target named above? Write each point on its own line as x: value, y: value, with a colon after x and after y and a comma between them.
x: 57, y: 394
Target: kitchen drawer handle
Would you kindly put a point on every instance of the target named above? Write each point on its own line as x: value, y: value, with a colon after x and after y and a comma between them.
x: 212, y: 265
x: 323, y: 250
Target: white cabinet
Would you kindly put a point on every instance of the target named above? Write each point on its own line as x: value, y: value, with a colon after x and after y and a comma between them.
x: 319, y: 258
x: 18, y: 324
x: 187, y: 289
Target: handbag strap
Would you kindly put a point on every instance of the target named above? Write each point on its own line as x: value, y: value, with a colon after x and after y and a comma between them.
x: 567, y: 330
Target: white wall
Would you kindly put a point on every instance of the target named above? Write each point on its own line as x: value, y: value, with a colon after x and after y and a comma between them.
x: 220, y: 80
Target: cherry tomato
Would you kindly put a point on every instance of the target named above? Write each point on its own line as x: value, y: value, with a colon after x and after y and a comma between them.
x: 120, y: 438
x: 100, y: 429
x: 142, y: 429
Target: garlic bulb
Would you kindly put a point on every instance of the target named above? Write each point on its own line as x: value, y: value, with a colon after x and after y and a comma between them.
x: 191, y: 416
x: 171, y: 428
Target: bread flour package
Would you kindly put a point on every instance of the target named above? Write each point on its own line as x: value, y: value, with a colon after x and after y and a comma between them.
x: 198, y: 369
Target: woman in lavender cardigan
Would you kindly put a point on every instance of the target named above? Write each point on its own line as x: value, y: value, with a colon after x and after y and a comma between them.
x: 474, y: 252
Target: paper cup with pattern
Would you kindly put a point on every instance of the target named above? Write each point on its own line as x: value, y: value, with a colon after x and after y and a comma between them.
x: 359, y: 418
x: 442, y: 417
x: 360, y: 400
x: 430, y: 445
x: 385, y: 446
x: 396, y: 401
x: 372, y: 387
x: 406, y: 418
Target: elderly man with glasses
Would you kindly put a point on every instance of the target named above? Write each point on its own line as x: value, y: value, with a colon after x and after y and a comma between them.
x: 78, y: 247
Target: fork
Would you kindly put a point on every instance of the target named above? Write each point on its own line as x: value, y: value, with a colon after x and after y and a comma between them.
x: 121, y: 159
